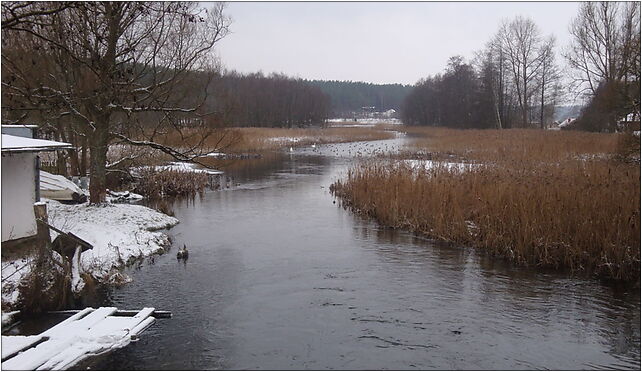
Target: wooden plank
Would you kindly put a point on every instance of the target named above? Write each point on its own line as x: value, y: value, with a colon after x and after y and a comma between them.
x: 158, y: 314
x: 69, y: 235
x: 12, y: 345
x: 86, y: 333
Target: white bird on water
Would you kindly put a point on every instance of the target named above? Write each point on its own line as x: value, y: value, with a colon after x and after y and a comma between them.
x: 291, y: 149
x: 314, y: 145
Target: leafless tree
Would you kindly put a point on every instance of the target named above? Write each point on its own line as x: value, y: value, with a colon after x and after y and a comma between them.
x: 549, y: 78
x: 520, y: 40
x: 606, y: 44
x: 118, y: 71
x: 15, y: 13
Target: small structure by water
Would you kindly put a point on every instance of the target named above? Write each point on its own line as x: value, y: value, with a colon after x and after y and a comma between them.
x: 87, y: 333
x: 20, y: 184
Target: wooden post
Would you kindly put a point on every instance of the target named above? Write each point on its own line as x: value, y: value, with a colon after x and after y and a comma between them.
x: 43, y: 236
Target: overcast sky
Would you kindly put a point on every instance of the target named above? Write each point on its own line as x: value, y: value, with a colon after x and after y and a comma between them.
x: 374, y: 42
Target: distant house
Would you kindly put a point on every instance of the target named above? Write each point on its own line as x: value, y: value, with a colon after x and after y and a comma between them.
x: 566, y: 123
x: 630, y: 122
x: 20, y: 183
x: 388, y: 114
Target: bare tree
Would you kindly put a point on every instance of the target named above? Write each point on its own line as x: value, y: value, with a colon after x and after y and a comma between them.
x: 520, y: 41
x: 124, y: 71
x: 15, y: 13
x: 493, y: 67
x: 549, y: 77
x: 605, y: 46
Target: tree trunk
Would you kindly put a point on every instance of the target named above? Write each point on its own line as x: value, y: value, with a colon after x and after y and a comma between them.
x: 83, y: 157
x: 98, y: 161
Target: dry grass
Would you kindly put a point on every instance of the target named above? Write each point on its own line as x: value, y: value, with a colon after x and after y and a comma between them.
x: 156, y: 184
x: 511, y: 145
x: 540, y: 203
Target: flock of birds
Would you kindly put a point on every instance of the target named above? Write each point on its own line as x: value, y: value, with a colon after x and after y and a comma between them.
x: 355, y: 149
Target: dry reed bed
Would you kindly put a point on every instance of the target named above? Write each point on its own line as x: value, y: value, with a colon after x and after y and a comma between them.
x: 564, y: 213
x: 156, y: 184
x: 513, y: 144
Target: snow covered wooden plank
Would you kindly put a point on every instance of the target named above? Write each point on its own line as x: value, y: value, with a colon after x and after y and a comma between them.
x: 14, y: 344
x: 89, y: 332
x: 158, y: 314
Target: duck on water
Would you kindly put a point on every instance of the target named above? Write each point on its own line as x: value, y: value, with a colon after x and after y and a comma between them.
x: 182, y: 253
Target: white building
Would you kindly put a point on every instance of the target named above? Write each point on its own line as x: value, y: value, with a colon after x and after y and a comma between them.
x: 20, y: 184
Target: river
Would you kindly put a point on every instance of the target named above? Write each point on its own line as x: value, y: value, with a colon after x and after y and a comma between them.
x: 281, y: 277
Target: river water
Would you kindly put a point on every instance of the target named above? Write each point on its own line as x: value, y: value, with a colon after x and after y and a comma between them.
x: 280, y: 277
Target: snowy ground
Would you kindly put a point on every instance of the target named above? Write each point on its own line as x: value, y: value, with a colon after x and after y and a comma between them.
x: 185, y: 167
x: 13, y: 273
x: 286, y: 139
x: 120, y: 233
x: 364, y: 122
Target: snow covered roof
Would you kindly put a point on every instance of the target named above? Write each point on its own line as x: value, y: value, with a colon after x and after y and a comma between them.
x: 19, y: 126
x: 22, y: 144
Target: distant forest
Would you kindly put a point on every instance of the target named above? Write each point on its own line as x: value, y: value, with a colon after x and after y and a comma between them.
x: 274, y: 100
x: 347, y: 97
x: 515, y: 81
x: 277, y: 100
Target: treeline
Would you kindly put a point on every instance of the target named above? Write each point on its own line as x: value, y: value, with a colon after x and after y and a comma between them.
x: 516, y: 82
x: 457, y: 98
x: 349, y: 96
x: 275, y: 100
x: 513, y: 82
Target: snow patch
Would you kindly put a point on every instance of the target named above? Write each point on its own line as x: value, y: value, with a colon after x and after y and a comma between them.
x: 184, y: 167
x: 13, y: 272
x: 119, y: 233
x: 430, y: 164
x: 286, y: 139
x: 7, y: 319
x: 122, y: 196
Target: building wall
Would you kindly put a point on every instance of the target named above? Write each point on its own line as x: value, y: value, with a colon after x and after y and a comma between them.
x: 18, y: 195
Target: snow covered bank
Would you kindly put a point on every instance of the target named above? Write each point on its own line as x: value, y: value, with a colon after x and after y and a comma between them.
x: 16, y: 272
x: 184, y: 167
x: 286, y: 139
x: 13, y: 272
x: 119, y: 233
x: 365, y: 121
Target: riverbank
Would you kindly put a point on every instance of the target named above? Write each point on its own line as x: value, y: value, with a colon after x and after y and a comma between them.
x: 545, y: 199
x: 120, y: 234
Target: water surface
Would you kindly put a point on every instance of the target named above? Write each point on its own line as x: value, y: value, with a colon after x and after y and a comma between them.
x: 280, y: 277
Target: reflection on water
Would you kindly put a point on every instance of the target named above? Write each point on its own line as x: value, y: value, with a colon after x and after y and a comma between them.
x: 279, y: 277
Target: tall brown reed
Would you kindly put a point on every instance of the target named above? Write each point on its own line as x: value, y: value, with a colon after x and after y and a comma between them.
x: 566, y: 212
x: 156, y: 184
x: 513, y: 144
